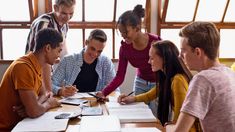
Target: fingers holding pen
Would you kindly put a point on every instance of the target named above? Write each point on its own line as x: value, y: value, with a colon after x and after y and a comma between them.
x: 69, y: 90
x: 125, y: 99
x: 72, y: 88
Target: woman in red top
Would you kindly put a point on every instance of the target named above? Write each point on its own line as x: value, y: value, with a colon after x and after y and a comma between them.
x: 134, y: 49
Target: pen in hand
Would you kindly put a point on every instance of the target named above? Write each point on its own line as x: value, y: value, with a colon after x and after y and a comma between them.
x: 93, y: 95
x: 130, y: 93
x: 126, y: 99
x: 97, y: 97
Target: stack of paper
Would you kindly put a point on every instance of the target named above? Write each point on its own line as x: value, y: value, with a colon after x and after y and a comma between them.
x: 46, y: 122
x: 135, y: 112
x: 100, y: 124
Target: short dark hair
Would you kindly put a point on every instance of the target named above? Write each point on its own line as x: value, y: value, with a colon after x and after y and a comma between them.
x: 98, y: 34
x: 203, y: 35
x: 48, y: 36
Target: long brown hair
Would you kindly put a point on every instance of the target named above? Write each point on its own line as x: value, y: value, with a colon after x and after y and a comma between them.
x: 172, y: 65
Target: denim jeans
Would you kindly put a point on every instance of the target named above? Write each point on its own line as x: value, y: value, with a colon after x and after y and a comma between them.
x: 143, y: 86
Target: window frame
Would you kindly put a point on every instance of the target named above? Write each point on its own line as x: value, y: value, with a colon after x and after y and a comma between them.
x: 162, y: 24
x: 33, y: 12
x: 103, y: 24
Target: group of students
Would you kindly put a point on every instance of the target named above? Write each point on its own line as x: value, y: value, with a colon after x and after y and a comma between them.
x: 162, y: 72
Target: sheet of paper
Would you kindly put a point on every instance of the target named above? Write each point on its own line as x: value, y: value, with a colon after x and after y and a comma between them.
x: 170, y: 128
x: 100, y: 124
x: 46, y: 122
x: 141, y: 129
x: 113, y: 99
x: 73, y: 128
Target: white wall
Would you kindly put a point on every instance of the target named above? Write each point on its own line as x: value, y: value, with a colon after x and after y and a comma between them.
x: 41, y: 7
x: 153, y: 26
x: 127, y: 85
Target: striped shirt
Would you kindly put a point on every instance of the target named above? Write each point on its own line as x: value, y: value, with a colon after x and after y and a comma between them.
x: 45, y: 21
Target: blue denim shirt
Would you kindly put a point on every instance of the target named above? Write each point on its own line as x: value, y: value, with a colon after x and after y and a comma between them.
x: 70, y: 66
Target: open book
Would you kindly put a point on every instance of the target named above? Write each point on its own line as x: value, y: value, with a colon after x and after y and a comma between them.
x: 135, y: 112
x: 133, y: 115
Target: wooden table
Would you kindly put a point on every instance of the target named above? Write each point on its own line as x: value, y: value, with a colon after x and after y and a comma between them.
x: 93, y: 102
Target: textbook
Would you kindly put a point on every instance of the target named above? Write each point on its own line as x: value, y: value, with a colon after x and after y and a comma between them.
x: 73, y: 101
x: 100, y: 124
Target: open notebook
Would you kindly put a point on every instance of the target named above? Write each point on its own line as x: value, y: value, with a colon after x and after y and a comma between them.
x: 135, y: 112
x: 46, y: 122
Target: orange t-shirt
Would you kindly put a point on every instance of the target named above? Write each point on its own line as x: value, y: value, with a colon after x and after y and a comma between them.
x: 23, y: 74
